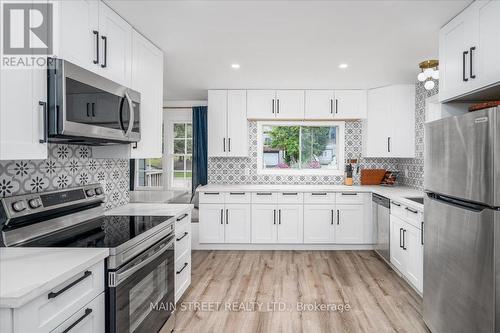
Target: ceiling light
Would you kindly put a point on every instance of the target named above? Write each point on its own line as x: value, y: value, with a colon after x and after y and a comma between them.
x: 343, y: 66
x: 235, y: 66
x: 429, y: 71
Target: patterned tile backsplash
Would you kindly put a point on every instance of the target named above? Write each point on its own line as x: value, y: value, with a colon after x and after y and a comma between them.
x: 67, y: 166
x: 243, y: 170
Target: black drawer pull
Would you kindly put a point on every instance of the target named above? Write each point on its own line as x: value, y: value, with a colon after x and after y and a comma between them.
x: 349, y: 193
x: 237, y: 193
x: 264, y: 193
x: 85, y: 275
x: 318, y: 193
x: 411, y: 210
x: 70, y: 327
x: 180, y: 238
x: 289, y: 193
x: 422, y: 233
x: 212, y: 193
x: 395, y: 204
x: 183, y: 267
x: 182, y: 217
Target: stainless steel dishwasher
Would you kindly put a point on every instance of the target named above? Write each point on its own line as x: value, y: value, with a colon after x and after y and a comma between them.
x: 381, y: 219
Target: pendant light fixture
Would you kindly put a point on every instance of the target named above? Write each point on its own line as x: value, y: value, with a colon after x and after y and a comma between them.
x: 429, y: 71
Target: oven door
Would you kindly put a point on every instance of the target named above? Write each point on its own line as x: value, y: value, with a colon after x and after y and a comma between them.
x: 141, y: 294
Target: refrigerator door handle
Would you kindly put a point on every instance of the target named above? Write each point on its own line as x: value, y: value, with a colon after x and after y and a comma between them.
x: 457, y: 202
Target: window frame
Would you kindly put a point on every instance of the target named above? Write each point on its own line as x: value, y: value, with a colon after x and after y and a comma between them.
x: 302, y: 172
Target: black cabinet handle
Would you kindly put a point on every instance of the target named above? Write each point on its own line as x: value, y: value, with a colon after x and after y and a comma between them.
x: 227, y: 216
x: 349, y: 193
x: 331, y: 222
x: 331, y: 106
x: 45, y: 122
x: 237, y: 193
x: 264, y: 193
x: 212, y: 193
x: 336, y: 106
x: 317, y: 193
x: 472, y: 76
x: 389, y: 144
x: 180, y: 238
x: 183, y: 267
x: 222, y: 216
x: 400, y: 237
x: 85, y: 275
x: 279, y: 216
x: 411, y: 210
x: 395, y: 204
x: 278, y: 105
x: 182, y: 217
x: 273, y: 106
x: 422, y: 233
x: 404, y: 240
x: 88, y: 109
x: 274, y: 216
x: 229, y: 144
x: 338, y: 217
x: 93, y: 109
x: 289, y: 193
x: 70, y: 327
x: 96, y: 33
x: 105, y: 40
x: 224, y: 144
x: 464, y: 54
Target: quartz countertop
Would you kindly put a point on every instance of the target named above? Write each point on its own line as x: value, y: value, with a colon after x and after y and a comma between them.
x: 26, y: 273
x: 153, y: 209
x: 396, y: 193
x: 154, y: 196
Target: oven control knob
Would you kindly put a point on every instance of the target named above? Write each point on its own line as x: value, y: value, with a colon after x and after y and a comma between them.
x: 98, y: 191
x: 35, y: 203
x: 19, y: 206
x: 90, y: 192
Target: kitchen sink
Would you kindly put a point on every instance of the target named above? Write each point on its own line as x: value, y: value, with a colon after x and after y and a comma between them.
x: 419, y: 200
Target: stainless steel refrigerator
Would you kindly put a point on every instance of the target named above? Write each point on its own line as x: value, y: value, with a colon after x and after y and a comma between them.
x: 462, y: 223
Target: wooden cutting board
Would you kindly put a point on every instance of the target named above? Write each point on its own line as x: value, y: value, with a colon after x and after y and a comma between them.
x: 372, y: 176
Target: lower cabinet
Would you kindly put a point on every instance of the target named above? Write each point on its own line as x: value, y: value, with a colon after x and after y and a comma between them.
x: 277, y: 223
x: 182, y: 255
x: 350, y: 224
x: 407, y: 251
x: 89, y: 319
x: 319, y: 223
x: 224, y: 223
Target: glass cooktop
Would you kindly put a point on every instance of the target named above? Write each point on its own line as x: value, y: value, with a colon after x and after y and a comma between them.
x: 102, y: 232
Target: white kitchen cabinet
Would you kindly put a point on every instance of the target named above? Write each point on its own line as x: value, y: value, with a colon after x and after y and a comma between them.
x: 147, y: 78
x: 469, y: 50
x: 319, y: 221
x: 350, y: 226
x: 93, y: 321
x: 264, y: 223
x: 237, y: 223
x: 275, y: 104
x: 227, y: 123
x: 116, y: 46
x: 397, y: 253
x: 211, y: 223
x: 335, y: 104
x: 290, y: 224
x: 389, y: 130
x: 182, y: 252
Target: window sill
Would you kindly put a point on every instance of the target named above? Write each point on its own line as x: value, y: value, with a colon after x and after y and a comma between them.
x: 295, y: 172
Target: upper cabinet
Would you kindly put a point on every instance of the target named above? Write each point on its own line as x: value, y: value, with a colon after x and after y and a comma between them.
x: 94, y: 37
x: 335, y: 104
x: 275, y: 104
x: 227, y: 123
x: 389, y: 130
x: 147, y: 78
x: 469, y: 49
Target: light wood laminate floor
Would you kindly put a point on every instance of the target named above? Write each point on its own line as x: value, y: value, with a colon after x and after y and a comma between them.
x: 379, y: 300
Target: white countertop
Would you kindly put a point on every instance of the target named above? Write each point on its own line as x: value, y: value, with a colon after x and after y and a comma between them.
x: 396, y: 193
x: 154, y: 209
x: 154, y: 196
x: 26, y: 273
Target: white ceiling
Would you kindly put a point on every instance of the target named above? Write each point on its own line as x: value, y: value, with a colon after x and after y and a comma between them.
x: 288, y: 44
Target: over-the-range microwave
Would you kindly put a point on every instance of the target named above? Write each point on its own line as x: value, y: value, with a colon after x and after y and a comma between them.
x: 88, y: 109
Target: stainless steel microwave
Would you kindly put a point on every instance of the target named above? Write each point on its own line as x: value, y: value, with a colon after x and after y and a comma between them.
x: 88, y: 109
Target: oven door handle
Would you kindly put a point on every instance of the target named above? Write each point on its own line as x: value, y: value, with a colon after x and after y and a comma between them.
x: 132, y: 114
x: 119, y: 277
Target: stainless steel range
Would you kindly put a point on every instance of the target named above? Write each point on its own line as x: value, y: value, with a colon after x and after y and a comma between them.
x: 140, y: 268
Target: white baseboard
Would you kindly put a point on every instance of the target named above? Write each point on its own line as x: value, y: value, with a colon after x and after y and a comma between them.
x: 195, y: 245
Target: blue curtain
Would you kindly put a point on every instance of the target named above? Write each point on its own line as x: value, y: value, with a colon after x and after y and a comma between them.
x: 200, y: 152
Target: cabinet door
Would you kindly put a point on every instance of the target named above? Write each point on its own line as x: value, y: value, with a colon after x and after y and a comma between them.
x: 211, y: 228
x: 147, y: 78
x: 290, y: 104
x: 79, y: 24
x: 486, y: 64
x: 264, y: 223
x: 349, y: 228
x: 455, y: 38
x: 402, y: 121
x: 93, y: 322
x: 237, y: 131
x: 21, y: 115
x: 350, y: 104
x: 261, y: 104
x: 237, y: 229
x: 398, y: 255
x: 319, y: 223
x: 290, y: 224
x: 217, y: 123
x: 319, y: 104
x: 415, y: 252
x: 116, y: 46
x: 377, y: 126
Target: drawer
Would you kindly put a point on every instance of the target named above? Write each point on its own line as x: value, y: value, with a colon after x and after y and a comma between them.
x: 183, y: 220
x: 265, y: 197
x: 50, y: 310
x: 90, y: 318
x: 211, y: 197
x: 290, y: 198
x: 319, y: 198
x: 182, y: 240
x: 349, y: 198
x: 237, y: 197
x: 414, y: 217
x: 398, y: 209
x: 182, y: 275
